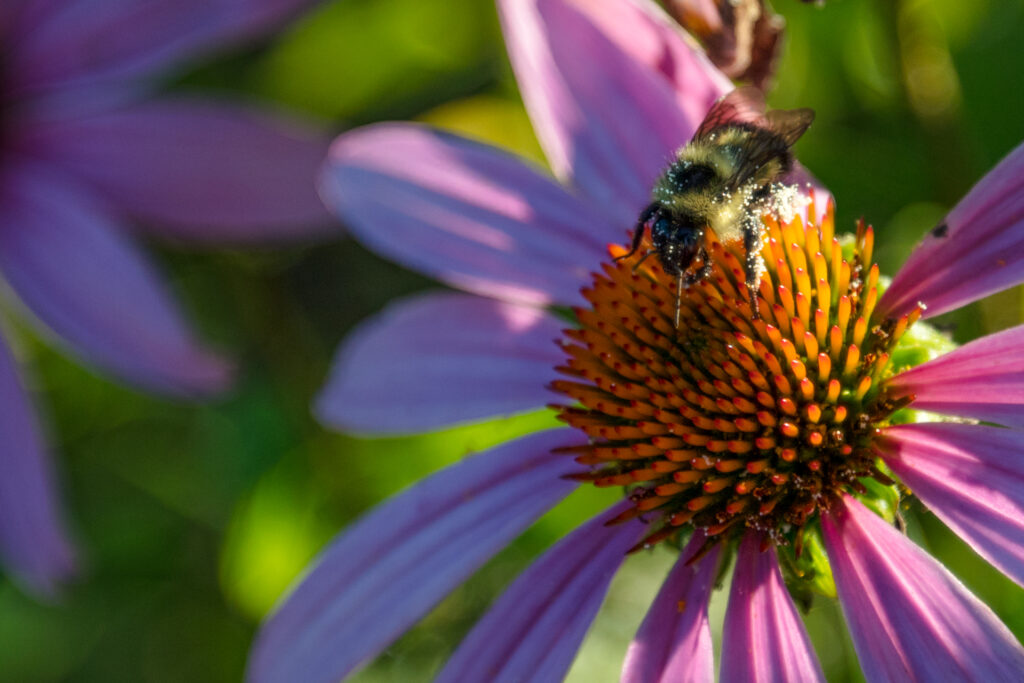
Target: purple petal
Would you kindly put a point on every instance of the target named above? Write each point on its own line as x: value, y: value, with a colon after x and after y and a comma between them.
x: 67, y: 261
x: 392, y: 566
x: 532, y: 632
x: 978, y: 250
x: 464, y: 212
x: 197, y: 170
x: 440, y: 359
x: 612, y: 89
x: 911, y: 619
x: 12, y: 14
x: 983, y: 380
x: 972, y: 477
x: 764, y: 639
x: 82, y: 43
x: 33, y: 542
x: 674, y: 640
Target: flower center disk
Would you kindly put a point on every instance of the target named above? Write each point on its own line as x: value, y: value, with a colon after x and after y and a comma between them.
x: 731, y: 422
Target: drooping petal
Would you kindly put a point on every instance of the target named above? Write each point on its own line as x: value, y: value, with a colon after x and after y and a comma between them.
x: 911, y: 619
x: 34, y: 545
x: 84, y: 43
x: 972, y: 477
x: 441, y: 359
x: 978, y: 250
x: 674, y: 641
x: 196, y: 170
x: 983, y: 379
x: 392, y: 566
x: 464, y: 212
x: 67, y: 261
x: 612, y: 89
x: 532, y: 632
x: 764, y: 639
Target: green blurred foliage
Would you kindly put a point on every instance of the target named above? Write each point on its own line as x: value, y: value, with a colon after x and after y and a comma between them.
x: 195, y: 518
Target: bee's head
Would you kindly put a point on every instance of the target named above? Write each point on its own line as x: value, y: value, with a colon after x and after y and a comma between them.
x: 677, y: 237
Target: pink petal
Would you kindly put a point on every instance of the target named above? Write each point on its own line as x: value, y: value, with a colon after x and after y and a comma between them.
x: 764, y: 639
x: 972, y: 477
x: 197, y: 170
x: 978, y: 250
x: 674, y: 640
x: 84, y: 43
x: 532, y: 632
x: 612, y: 89
x: 67, y: 261
x: 440, y: 359
x: 391, y: 567
x: 812, y: 188
x: 469, y: 214
x: 983, y: 379
x: 33, y: 541
x: 911, y: 619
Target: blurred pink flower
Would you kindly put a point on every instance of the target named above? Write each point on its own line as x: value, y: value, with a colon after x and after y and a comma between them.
x: 613, y: 89
x: 89, y: 155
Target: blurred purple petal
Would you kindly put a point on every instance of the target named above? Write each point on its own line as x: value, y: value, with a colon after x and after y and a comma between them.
x: 85, y: 43
x: 764, y: 639
x: 983, y: 379
x: 674, y: 641
x: 33, y: 542
x: 646, y: 33
x: 67, y: 261
x: 12, y: 15
x: 532, y: 632
x: 197, y: 170
x: 613, y: 91
x: 440, y: 359
x: 400, y: 560
x: 972, y: 477
x: 908, y: 616
x: 978, y: 250
x: 466, y: 213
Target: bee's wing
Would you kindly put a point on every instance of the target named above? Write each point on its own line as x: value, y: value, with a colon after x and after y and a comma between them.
x: 763, y: 146
x: 747, y: 105
x: 742, y: 105
x: 789, y: 124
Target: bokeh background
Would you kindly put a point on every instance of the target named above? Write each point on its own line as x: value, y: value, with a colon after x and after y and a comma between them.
x: 195, y: 518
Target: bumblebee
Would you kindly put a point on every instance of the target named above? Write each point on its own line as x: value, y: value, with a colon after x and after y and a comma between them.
x: 723, y: 180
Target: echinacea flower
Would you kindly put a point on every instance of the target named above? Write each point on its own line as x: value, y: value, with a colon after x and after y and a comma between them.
x: 88, y: 156
x: 733, y: 437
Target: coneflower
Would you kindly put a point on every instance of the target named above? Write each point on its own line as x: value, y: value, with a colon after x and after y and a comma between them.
x: 733, y: 438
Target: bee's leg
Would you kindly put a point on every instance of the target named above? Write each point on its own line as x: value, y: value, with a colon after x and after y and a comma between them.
x: 642, y: 258
x: 638, y: 231
x: 901, y: 522
x: 679, y: 297
x: 752, y: 264
x: 705, y: 269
